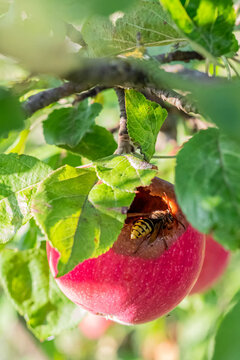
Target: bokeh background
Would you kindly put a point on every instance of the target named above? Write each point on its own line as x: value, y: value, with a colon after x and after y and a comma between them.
x: 186, y: 333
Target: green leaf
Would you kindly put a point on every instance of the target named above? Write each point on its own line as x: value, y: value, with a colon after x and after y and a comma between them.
x: 83, y: 219
x: 26, y: 238
x: 108, y: 203
x: 6, y: 144
x: 79, y: 218
x: 227, y: 345
x: 96, y: 144
x: 19, y: 175
x: 208, y: 24
x: 145, y: 119
x: 62, y: 208
x: 154, y: 24
x: 27, y: 281
x: 11, y: 114
x: 67, y: 126
x: 75, y: 10
x: 37, y: 38
x: 64, y: 158
x: 56, y: 157
x: 125, y: 172
x: 208, y: 185
x: 219, y: 103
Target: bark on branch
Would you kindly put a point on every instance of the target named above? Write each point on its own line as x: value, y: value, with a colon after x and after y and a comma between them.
x: 103, y: 73
x: 173, y: 98
x: 89, y: 93
x: 124, y: 141
x: 178, y: 55
x: 47, y: 97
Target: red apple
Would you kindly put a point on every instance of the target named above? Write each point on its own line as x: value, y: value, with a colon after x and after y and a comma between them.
x: 132, y: 284
x: 215, y: 262
x: 94, y: 326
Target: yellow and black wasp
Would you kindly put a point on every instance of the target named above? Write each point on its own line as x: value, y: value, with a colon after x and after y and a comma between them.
x: 151, y: 224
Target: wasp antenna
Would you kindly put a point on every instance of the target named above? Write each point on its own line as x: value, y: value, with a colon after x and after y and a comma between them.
x: 138, y: 214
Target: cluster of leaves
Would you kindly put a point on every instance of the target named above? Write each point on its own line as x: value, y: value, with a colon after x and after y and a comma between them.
x: 79, y: 209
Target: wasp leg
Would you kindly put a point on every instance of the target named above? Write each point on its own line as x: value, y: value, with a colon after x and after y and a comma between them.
x: 138, y: 246
x: 162, y: 227
x: 178, y: 221
x: 141, y: 242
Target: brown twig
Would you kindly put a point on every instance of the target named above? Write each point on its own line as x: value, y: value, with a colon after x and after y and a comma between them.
x: 108, y: 73
x: 124, y: 141
x: 114, y: 129
x: 47, y: 97
x: 175, y: 99
x: 178, y: 55
x: 89, y: 93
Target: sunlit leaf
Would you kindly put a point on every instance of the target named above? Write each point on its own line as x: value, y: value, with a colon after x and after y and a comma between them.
x: 9, y: 142
x: 208, y: 24
x: 125, y: 172
x: 78, y: 226
x: 145, y: 119
x: 19, y: 176
x: 147, y: 18
x: 27, y: 281
x: 83, y: 219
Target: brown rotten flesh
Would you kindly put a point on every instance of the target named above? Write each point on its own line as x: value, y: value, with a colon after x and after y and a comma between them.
x: 159, y: 195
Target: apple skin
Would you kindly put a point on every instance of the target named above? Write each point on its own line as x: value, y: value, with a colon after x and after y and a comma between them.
x: 94, y: 326
x: 134, y: 290
x: 215, y: 262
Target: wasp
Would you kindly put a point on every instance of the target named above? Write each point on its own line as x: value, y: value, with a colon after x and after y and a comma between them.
x: 150, y: 226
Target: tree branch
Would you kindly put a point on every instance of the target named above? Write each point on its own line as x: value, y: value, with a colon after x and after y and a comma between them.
x: 124, y: 141
x: 178, y: 55
x: 89, y: 93
x: 109, y: 74
x: 173, y: 98
x: 47, y: 97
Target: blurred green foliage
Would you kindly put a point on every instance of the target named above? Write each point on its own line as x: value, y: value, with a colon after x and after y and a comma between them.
x: 40, y: 46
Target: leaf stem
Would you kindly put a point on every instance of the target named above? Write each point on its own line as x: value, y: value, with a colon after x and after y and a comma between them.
x: 164, y: 157
x: 234, y: 68
x: 224, y: 59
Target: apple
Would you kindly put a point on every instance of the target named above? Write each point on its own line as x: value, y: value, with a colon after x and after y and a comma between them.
x: 215, y: 262
x: 133, y: 284
x: 94, y: 326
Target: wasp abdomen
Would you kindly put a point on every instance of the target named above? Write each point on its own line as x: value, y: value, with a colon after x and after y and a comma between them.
x: 142, y: 227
